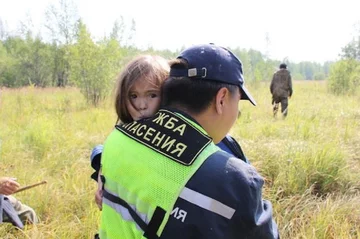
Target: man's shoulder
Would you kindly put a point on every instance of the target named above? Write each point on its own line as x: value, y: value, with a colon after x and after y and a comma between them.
x: 231, y: 167
x: 284, y: 71
x: 228, y: 175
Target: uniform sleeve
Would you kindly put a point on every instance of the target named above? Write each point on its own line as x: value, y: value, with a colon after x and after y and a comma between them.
x: 253, y: 216
x: 228, y: 203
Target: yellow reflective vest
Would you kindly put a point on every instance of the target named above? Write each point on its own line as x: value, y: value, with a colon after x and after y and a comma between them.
x: 146, y: 164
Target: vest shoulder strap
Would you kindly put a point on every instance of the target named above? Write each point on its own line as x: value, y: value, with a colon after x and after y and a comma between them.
x: 149, y: 229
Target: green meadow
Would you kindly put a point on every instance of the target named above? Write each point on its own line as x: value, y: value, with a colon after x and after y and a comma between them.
x: 310, y: 161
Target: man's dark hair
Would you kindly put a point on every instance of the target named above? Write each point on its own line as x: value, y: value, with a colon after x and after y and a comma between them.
x: 283, y: 66
x: 193, y: 95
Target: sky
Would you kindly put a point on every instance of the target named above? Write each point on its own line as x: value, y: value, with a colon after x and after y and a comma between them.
x: 299, y: 30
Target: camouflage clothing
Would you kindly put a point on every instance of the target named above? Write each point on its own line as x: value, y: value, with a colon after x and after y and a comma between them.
x: 281, y: 89
x: 284, y: 106
x: 281, y: 85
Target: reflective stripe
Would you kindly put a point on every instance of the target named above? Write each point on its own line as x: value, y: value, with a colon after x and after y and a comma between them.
x: 207, y: 203
x: 124, y: 212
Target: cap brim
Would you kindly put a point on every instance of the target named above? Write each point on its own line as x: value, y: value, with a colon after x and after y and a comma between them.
x: 245, y: 95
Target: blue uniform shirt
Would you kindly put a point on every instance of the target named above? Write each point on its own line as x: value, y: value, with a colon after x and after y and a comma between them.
x: 222, y: 200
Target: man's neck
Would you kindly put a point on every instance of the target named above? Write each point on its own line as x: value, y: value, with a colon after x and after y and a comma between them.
x: 209, y: 121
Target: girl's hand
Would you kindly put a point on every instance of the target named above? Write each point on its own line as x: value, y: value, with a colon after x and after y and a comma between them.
x: 98, y: 197
x: 99, y: 192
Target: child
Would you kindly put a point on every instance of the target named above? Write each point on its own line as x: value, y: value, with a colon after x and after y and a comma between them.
x: 138, y: 96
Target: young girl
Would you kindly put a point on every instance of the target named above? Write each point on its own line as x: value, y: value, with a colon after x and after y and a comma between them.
x: 138, y: 96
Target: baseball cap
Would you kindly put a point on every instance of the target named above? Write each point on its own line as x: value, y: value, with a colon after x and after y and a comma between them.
x: 215, y: 63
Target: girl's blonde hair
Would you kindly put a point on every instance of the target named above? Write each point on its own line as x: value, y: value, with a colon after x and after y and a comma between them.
x: 154, y: 69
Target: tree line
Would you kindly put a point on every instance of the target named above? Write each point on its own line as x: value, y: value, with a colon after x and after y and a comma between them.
x: 344, y: 77
x: 71, y: 57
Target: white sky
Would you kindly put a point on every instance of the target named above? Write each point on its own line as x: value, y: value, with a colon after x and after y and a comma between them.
x: 302, y: 30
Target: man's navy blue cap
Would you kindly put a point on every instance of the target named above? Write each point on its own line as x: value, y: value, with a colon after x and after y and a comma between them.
x: 211, y: 62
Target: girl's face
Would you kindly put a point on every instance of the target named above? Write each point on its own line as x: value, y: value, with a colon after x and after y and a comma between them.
x: 143, y: 100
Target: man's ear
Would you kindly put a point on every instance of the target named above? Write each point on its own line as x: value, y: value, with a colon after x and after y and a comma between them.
x: 220, y: 99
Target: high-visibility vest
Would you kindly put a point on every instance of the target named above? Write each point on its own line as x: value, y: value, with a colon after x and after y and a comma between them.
x: 143, y: 180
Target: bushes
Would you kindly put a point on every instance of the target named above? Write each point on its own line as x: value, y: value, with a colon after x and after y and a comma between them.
x: 344, y: 77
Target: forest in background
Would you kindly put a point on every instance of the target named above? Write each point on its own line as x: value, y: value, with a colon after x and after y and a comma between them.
x: 70, y: 56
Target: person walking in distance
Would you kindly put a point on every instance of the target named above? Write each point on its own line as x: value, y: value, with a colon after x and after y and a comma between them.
x: 281, y: 89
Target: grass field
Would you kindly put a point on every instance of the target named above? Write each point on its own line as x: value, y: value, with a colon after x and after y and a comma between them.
x: 310, y: 160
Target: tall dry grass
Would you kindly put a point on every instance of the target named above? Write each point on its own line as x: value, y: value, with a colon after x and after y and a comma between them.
x: 310, y: 160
